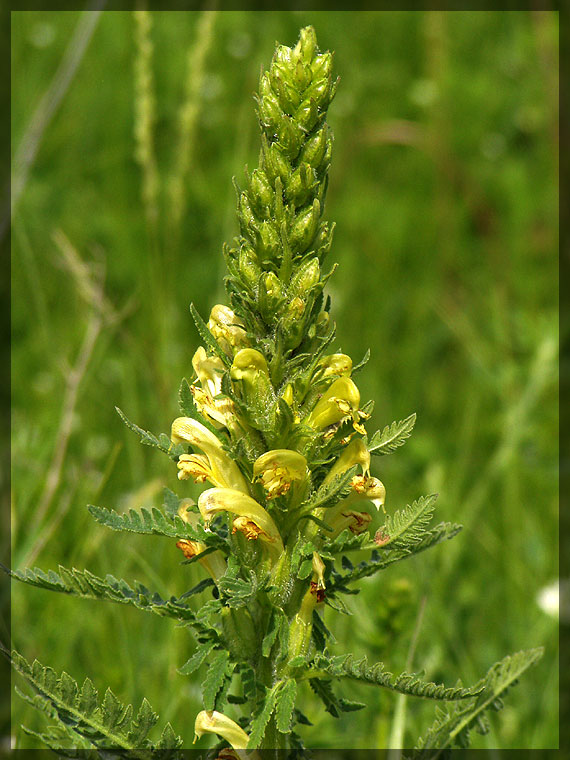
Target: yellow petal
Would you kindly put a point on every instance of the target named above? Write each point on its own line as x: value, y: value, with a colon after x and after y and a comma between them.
x: 215, y: 722
x: 216, y: 500
x: 355, y: 453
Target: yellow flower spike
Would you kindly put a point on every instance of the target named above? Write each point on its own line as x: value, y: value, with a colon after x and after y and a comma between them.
x: 338, y: 403
x: 226, y: 328
x: 214, y: 722
x: 216, y: 500
x: 277, y: 469
x: 335, y: 364
x: 220, y: 470
x: 355, y: 453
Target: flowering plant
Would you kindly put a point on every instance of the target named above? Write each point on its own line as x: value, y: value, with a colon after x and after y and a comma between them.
x: 273, y: 422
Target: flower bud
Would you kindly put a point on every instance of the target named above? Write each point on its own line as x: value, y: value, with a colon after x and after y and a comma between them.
x: 270, y: 112
x: 248, y: 268
x: 287, y: 95
x: 290, y: 137
x: 302, y: 74
x: 306, y: 278
x: 307, y: 114
x: 213, y: 722
x: 274, y: 164
x: 246, y: 217
x: 293, y: 323
x: 338, y: 403
x: 267, y: 241
x: 306, y: 47
x: 270, y: 296
x: 261, y: 193
x: 314, y: 149
x: 301, y: 184
x: 278, y: 469
x: 304, y: 228
x: 322, y: 66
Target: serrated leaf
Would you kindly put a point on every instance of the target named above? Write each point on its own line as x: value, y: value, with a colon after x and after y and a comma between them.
x: 262, y: 718
x: 83, y: 720
x: 207, y: 336
x: 285, y: 703
x: 392, y: 437
x: 84, y: 584
x: 149, y: 439
x: 451, y: 727
x: 214, y: 679
x: 200, y: 655
x: 345, y: 666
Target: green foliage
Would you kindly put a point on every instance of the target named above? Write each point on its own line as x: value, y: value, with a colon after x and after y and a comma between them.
x: 86, y: 585
x: 345, y: 666
x: 392, y: 437
x: 85, y: 720
x: 451, y: 727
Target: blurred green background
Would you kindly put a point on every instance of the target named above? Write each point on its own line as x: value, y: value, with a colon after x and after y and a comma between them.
x: 443, y: 188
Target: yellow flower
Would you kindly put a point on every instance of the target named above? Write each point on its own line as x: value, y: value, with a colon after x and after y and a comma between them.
x: 213, y: 722
x: 209, y: 370
x: 226, y: 328
x: 356, y: 521
x: 355, y: 453
x: 339, y: 403
x: 278, y: 469
x: 251, y: 518
x: 214, y: 465
x: 367, y: 488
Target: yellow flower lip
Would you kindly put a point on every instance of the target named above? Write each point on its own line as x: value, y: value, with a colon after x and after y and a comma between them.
x: 216, y: 500
x: 214, y: 722
x: 338, y: 403
x: 277, y: 469
x: 216, y: 466
x: 367, y: 488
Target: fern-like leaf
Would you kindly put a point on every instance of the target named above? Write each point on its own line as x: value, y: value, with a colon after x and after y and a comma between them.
x: 392, y: 437
x: 345, y: 666
x: 261, y: 720
x: 81, y: 713
x: 451, y: 727
x: 162, y: 443
x: 149, y: 521
x: 409, y: 525
x: 84, y: 584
